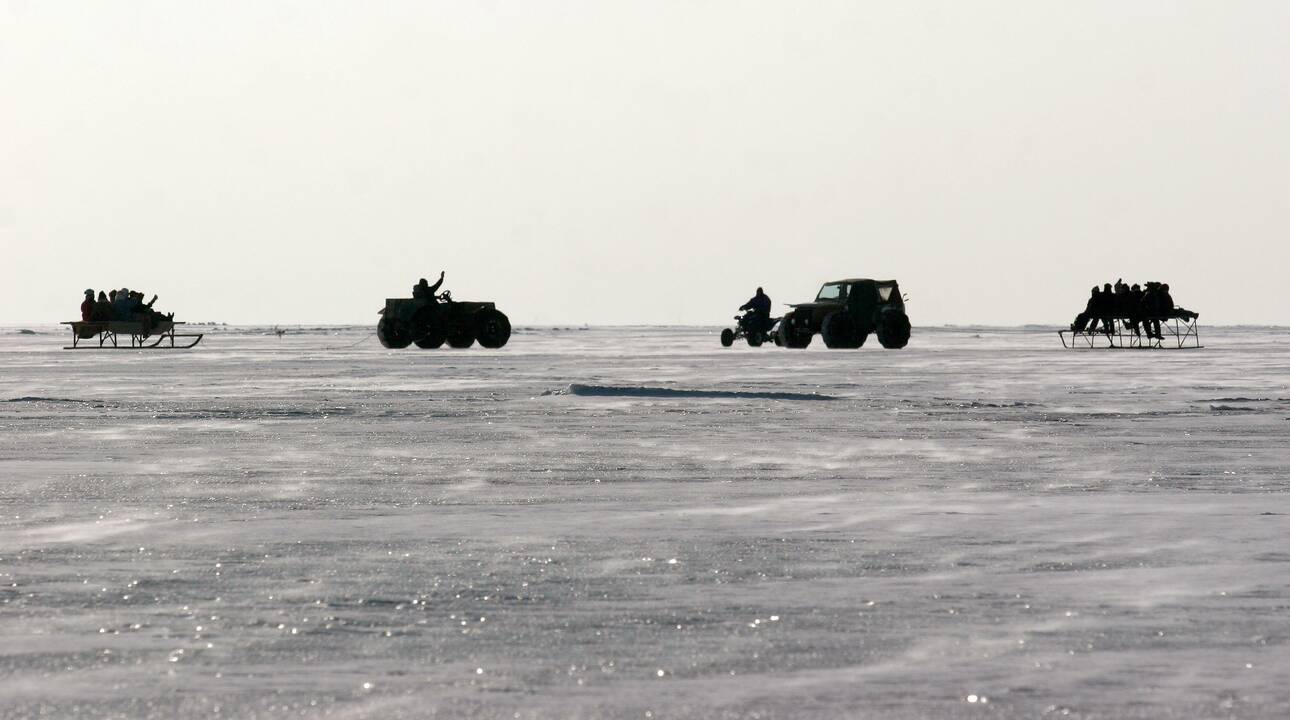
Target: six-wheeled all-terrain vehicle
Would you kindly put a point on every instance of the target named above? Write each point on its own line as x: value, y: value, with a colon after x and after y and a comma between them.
x: 750, y: 327
x: 845, y: 313
x: 429, y: 323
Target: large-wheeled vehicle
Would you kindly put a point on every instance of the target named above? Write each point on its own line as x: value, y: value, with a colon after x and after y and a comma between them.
x: 430, y: 322
x: 751, y: 327
x: 845, y: 313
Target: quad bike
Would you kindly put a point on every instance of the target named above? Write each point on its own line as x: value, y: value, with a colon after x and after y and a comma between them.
x: 749, y: 326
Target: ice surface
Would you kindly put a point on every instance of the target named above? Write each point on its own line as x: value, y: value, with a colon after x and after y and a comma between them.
x: 638, y: 523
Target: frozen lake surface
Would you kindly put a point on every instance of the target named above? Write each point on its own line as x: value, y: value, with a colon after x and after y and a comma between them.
x: 635, y: 523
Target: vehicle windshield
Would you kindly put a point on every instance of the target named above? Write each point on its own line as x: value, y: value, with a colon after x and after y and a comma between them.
x: 832, y: 291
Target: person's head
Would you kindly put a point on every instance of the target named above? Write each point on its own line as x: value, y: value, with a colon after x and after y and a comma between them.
x: 112, y: 295
x: 759, y: 292
x: 102, y: 296
x: 1096, y: 290
x: 89, y: 294
x: 1106, y: 287
x: 423, y: 282
x: 1165, y: 287
x: 1136, y: 288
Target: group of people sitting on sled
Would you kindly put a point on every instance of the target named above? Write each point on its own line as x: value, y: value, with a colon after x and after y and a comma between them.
x: 1134, y: 306
x: 124, y: 305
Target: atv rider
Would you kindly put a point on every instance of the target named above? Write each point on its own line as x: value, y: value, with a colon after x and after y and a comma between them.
x: 759, y: 307
x: 425, y: 290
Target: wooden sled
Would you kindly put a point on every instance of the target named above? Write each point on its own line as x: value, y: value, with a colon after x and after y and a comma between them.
x: 1176, y: 334
x: 143, y: 336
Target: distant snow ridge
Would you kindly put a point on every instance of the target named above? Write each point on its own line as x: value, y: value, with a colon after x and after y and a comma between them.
x: 37, y: 399
x: 658, y: 392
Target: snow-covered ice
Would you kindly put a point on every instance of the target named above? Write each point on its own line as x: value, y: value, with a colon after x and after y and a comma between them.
x: 636, y: 523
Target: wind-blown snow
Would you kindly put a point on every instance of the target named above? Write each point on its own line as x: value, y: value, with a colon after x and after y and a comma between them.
x: 672, y: 392
x: 638, y: 523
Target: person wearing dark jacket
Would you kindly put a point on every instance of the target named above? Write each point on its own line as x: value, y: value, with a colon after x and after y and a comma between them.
x: 121, y: 306
x: 1170, y: 309
x: 1122, y: 301
x: 425, y: 290
x: 87, y: 306
x: 1150, y: 309
x: 1135, y: 309
x: 1106, y: 308
x: 1090, y: 311
x: 759, y: 305
x: 102, y: 308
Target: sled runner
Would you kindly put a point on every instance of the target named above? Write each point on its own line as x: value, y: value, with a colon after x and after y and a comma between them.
x: 1175, y: 334
x: 111, y: 335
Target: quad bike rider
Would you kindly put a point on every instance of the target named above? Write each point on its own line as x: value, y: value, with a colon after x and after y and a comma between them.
x: 755, y: 324
x: 429, y: 320
x: 845, y: 313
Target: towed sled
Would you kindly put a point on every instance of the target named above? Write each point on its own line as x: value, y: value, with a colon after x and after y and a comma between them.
x: 111, y: 335
x: 1175, y: 334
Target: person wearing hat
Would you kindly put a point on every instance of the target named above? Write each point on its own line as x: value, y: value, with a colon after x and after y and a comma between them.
x: 121, y: 305
x: 87, y: 307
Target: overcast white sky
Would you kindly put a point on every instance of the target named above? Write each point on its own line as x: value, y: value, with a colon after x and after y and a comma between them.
x: 642, y: 162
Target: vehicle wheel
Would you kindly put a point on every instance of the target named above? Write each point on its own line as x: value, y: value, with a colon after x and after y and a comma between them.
x: 426, y: 333
x: 755, y: 339
x: 893, y: 331
x: 840, y: 330
x: 432, y: 339
x: 493, y: 328
x: 461, y: 336
x: 727, y: 337
x: 392, y: 334
x: 790, y: 338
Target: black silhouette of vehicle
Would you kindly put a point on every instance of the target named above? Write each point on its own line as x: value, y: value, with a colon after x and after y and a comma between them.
x: 750, y: 327
x: 429, y: 323
x: 845, y: 313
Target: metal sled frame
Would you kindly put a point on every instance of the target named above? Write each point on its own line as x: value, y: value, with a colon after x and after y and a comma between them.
x: 110, y: 333
x: 1179, y: 334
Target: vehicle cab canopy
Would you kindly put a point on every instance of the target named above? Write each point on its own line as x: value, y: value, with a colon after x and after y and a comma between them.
x: 861, y: 292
